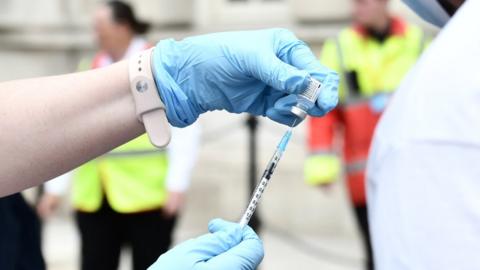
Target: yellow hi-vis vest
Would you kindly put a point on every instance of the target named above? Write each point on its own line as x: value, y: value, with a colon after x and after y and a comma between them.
x: 132, y: 177
x: 380, y: 66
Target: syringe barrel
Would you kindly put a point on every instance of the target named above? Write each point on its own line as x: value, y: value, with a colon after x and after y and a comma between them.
x: 256, y: 196
x: 267, y: 174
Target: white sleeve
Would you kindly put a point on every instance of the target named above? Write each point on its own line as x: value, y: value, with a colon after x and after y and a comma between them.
x: 182, y: 154
x: 59, y: 185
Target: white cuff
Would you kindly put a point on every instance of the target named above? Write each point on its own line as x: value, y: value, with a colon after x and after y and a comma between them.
x: 182, y: 156
x: 59, y: 185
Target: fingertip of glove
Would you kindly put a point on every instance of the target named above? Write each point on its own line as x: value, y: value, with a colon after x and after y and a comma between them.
x: 218, y: 224
x: 328, y: 100
x: 221, y: 226
x: 249, y: 233
x: 283, y: 32
x: 329, y: 95
x: 281, y: 111
x: 284, y: 119
x: 303, y: 83
x: 288, y: 79
x: 229, y: 238
x: 255, y: 248
x: 214, y: 222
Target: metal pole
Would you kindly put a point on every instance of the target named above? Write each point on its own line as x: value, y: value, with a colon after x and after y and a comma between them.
x: 252, y: 124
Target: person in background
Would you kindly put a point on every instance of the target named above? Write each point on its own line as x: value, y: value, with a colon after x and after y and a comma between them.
x: 20, y: 245
x: 372, y: 56
x: 131, y: 195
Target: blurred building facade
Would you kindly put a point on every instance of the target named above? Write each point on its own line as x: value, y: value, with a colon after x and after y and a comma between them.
x: 50, y: 36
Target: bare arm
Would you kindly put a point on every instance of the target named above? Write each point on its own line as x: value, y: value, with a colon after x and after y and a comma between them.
x: 51, y: 125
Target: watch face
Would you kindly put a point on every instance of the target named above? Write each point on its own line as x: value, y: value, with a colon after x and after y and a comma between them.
x: 141, y: 86
x: 149, y: 106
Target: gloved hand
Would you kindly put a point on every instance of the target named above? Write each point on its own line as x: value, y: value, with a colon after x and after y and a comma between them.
x: 322, y: 169
x: 227, y: 246
x: 251, y: 71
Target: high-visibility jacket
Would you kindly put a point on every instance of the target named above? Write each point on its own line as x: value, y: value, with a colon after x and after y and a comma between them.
x: 132, y: 176
x: 370, y: 70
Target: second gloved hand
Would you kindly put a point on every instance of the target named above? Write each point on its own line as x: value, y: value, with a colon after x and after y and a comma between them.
x: 227, y: 246
x: 257, y: 72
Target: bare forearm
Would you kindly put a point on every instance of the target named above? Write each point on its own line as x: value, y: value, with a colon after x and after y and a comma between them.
x: 51, y: 125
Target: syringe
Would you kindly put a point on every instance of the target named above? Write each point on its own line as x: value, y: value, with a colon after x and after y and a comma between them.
x: 267, y: 174
x: 305, y: 101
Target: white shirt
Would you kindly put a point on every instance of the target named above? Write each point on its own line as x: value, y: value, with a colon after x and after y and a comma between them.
x: 424, y: 166
x: 182, y: 151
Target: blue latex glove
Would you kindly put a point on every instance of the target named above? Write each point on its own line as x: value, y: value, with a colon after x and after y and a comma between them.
x: 227, y: 246
x: 251, y: 71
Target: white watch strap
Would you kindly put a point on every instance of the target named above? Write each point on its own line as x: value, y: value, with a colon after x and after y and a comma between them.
x: 149, y: 107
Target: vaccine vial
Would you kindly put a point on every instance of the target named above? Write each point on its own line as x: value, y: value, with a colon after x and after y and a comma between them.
x: 306, y: 99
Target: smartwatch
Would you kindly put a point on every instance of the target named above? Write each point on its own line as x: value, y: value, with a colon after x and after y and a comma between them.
x: 150, y: 109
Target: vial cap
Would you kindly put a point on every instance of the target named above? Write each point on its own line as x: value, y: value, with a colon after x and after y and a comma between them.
x: 298, y: 112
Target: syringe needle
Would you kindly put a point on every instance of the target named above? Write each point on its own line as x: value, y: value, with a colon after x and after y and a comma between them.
x: 267, y: 174
x: 294, y: 122
x: 306, y: 100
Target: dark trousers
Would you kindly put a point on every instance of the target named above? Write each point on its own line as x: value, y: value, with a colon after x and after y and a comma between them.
x: 20, y: 247
x: 103, y: 233
x: 362, y: 219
